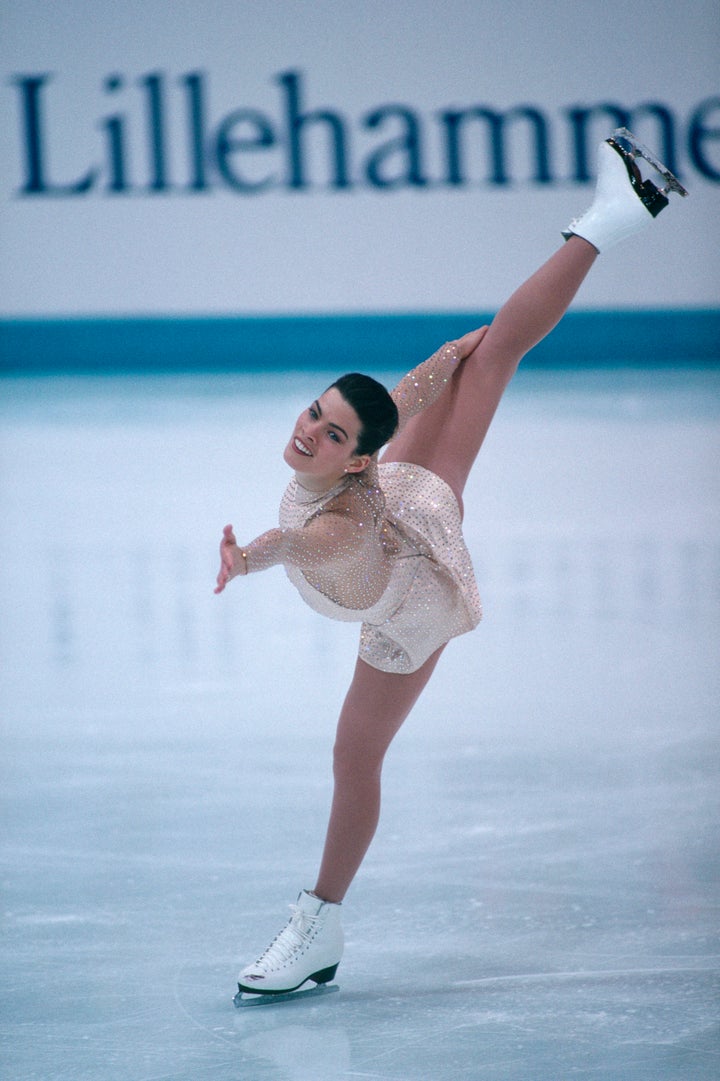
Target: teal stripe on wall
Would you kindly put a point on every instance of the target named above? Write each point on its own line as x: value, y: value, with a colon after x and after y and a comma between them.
x: 598, y: 339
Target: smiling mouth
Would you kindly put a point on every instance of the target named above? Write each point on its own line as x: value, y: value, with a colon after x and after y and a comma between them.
x: 301, y: 448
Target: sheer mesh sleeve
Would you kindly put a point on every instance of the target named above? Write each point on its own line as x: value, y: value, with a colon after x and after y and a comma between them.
x: 329, y: 539
x: 339, y: 543
x: 425, y: 383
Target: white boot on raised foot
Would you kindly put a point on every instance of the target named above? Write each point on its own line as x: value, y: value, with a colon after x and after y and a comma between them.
x: 308, y: 948
x: 623, y: 202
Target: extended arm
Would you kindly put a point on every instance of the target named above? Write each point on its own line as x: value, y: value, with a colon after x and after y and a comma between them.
x: 324, y: 539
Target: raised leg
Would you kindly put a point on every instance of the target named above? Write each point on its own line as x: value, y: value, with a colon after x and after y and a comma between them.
x: 447, y: 436
x: 375, y: 707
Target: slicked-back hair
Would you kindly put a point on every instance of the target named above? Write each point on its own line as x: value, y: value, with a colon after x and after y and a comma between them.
x: 375, y: 408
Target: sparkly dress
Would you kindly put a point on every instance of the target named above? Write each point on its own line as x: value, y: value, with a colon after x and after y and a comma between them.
x: 383, y: 547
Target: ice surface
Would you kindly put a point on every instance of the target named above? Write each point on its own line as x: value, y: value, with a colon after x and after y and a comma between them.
x: 541, y: 901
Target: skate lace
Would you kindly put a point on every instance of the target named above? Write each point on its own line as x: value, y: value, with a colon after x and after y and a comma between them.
x: 295, y: 936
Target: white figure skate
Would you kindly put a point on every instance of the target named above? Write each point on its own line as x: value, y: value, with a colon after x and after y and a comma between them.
x: 309, y: 948
x: 624, y: 202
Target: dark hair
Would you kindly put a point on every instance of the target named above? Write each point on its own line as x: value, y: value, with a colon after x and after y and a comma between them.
x: 375, y: 408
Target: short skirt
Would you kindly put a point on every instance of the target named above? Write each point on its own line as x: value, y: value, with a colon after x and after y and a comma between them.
x: 432, y: 595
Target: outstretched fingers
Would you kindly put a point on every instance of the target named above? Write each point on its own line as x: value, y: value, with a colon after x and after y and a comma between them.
x: 228, y: 547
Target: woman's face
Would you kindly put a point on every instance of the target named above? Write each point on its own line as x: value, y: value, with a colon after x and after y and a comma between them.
x: 322, y: 447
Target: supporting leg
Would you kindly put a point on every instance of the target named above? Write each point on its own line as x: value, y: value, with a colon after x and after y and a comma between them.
x: 376, y: 705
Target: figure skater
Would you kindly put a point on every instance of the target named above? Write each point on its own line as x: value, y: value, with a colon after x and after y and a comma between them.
x: 381, y: 542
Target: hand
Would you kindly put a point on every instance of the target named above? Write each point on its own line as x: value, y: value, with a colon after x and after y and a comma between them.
x: 231, y: 559
x: 470, y: 341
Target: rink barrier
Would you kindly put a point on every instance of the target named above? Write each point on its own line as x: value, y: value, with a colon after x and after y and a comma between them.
x: 135, y: 345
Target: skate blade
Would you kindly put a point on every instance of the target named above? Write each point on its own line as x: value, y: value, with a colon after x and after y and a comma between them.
x: 243, y: 998
x: 638, y: 149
